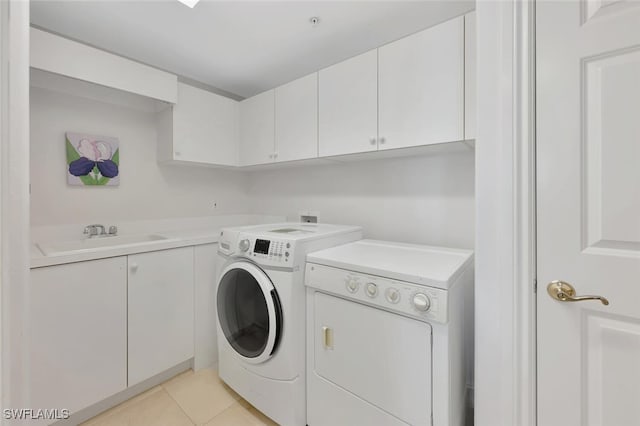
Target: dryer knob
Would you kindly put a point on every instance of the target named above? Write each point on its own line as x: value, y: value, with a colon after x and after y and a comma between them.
x: 243, y: 245
x: 421, y: 302
x: 371, y: 289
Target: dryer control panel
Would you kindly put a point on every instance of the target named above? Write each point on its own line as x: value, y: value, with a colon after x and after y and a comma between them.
x: 417, y: 301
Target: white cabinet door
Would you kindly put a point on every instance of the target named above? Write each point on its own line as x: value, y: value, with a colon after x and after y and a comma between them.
x: 348, y: 109
x: 201, y: 128
x: 160, y: 311
x: 421, y: 87
x: 257, y: 123
x: 205, y: 127
x: 78, y: 336
x: 296, y: 115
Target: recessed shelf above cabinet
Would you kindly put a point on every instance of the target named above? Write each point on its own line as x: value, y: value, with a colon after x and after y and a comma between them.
x: 60, y: 55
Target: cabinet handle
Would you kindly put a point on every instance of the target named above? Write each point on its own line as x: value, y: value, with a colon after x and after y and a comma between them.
x: 382, y: 140
x: 134, y: 267
x: 372, y: 141
x: 275, y: 155
x: 327, y: 337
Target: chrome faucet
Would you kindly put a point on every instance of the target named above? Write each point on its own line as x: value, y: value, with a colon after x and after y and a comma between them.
x: 92, y: 231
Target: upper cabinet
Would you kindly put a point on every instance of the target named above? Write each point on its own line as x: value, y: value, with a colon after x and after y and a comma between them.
x: 421, y: 88
x: 281, y: 124
x: 257, y: 129
x: 60, y: 55
x: 201, y: 128
x: 348, y: 93
x: 296, y: 119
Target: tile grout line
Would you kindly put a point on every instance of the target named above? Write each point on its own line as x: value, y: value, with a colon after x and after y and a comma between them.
x: 177, y: 403
x: 224, y: 411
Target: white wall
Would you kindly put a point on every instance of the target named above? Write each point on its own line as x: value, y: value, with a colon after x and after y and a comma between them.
x: 427, y: 199
x: 147, y: 190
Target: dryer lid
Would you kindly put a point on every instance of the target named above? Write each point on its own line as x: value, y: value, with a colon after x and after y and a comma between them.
x: 419, y: 264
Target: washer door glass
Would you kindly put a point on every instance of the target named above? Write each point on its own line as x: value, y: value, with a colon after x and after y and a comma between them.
x: 249, y: 311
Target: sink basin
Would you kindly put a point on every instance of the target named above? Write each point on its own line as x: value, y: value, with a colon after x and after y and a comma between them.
x: 99, y: 243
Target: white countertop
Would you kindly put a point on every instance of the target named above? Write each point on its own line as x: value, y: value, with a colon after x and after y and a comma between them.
x: 174, y: 239
x: 181, y: 233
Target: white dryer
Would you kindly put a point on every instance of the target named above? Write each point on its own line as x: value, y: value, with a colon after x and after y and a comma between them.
x: 261, y: 312
x: 386, y: 325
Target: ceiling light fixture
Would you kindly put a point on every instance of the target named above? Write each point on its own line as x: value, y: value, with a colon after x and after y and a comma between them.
x: 190, y: 3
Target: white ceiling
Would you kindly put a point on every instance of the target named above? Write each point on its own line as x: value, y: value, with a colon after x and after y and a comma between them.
x: 240, y: 47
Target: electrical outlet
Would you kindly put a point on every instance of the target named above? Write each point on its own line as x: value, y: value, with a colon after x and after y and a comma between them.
x: 309, y: 217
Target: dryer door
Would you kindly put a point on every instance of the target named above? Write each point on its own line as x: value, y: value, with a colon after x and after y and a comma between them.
x: 249, y: 311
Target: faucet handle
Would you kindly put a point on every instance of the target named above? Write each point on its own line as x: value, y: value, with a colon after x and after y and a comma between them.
x: 90, y: 230
x: 113, y: 230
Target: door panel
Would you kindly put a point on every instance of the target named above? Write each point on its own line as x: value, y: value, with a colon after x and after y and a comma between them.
x: 588, y: 184
x: 612, y: 132
x: 611, y: 393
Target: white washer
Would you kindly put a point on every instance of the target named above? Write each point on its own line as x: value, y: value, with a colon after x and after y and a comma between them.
x: 386, y: 334
x: 261, y: 312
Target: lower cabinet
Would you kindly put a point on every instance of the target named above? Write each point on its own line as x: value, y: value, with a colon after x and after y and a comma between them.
x: 78, y: 338
x: 100, y: 326
x: 160, y: 311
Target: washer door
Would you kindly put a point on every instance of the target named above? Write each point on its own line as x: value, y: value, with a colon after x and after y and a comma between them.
x: 249, y: 311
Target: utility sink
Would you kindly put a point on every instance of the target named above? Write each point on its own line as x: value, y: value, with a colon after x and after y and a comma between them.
x: 97, y: 243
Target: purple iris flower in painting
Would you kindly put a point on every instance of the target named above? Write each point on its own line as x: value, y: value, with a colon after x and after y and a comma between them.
x: 93, y: 154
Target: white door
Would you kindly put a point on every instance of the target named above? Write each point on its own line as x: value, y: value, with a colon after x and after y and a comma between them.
x: 257, y: 121
x: 78, y: 333
x: 421, y: 87
x: 160, y: 311
x: 588, y: 183
x: 348, y: 106
x: 297, y: 119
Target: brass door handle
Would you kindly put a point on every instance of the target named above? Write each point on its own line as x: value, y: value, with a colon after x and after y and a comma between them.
x: 564, y: 292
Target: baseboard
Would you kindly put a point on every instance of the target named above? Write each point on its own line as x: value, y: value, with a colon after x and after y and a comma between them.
x: 95, y: 409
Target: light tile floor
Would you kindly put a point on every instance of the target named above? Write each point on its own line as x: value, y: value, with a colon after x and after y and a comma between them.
x: 188, y: 399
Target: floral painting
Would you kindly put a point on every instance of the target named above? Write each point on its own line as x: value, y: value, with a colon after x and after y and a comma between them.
x: 92, y: 160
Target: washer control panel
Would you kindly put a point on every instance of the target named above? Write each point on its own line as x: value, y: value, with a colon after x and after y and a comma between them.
x: 273, y: 251
x: 421, y: 302
x: 265, y: 251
